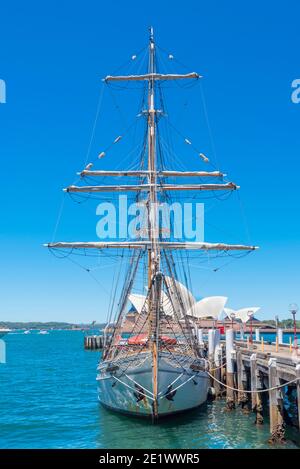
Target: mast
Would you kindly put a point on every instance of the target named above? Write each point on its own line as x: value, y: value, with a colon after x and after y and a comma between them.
x: 153, y: 251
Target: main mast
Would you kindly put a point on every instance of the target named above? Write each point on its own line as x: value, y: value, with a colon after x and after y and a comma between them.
x: 153, y: 252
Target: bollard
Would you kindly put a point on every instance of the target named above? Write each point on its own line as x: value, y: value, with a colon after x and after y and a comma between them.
x: 257, y: 335
x: 280, y: 335
x: 262, y: 345
x: 291, y: 345
x: 230, y: 395
x: 276, y: 344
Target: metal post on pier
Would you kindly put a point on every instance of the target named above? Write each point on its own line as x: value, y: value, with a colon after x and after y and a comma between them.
x: 257, y: 334
x: 230, y: 394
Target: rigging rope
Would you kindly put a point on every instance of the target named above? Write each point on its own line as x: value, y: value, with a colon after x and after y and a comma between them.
x: 248, y: 391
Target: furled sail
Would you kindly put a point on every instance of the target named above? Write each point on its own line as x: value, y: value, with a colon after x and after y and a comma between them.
x: 152, y: 76
x: 145, y: 244
x: 140, y: 173
x: 147, y: 187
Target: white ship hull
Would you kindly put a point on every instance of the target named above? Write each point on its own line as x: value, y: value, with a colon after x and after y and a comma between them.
x: 180, y: 388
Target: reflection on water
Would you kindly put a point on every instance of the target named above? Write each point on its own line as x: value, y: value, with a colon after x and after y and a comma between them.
x: 49, y: 400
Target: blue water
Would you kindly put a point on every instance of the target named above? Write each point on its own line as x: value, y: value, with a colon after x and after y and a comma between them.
x: 49, y: 400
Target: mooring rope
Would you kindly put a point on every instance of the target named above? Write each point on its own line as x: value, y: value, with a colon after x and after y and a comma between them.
x: 256, y: 390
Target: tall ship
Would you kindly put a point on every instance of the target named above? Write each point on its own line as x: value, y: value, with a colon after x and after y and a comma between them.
x: 152, y: 365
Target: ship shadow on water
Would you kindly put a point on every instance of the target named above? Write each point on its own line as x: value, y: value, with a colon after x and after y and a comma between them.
x: 209, y: 426
x: 127, y: 431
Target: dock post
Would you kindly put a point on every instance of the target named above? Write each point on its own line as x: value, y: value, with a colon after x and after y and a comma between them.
x: 217, y: 363
x: 211, y: 344
x: 253, y: 380
x: 298, y: 392
x: 211, y: 353
x: 280, y: 336
x: 230, y: 394
x: 242, y: 337
x: 277, y: 426
x: 256, y: 401
x: 241, y: 380
x: 257, y: 334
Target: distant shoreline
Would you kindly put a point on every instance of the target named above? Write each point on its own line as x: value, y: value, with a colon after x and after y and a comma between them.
x: 53, y: 325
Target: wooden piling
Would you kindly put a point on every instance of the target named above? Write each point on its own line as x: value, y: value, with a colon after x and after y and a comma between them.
x: 241, y: 381
x: 217, y: 363
x: 277, y: 426
x: 93, y: 342
x: 298, y: 392
x: 256, y: 402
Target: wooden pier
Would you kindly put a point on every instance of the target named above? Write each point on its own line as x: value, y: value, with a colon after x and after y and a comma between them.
x: 259, y: 377
x: 93, y: 342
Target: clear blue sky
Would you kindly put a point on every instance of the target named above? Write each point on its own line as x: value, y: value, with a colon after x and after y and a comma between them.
x: 52, y: 56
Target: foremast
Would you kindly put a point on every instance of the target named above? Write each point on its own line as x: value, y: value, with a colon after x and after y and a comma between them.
x: 154, y: 278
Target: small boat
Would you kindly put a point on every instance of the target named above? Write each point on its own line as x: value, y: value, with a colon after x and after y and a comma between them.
x: 27, y: 332
x: 4, y: 331
x: 43, y: 332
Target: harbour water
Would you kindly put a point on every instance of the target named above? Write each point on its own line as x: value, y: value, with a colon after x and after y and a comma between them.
x: 49, y: 400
